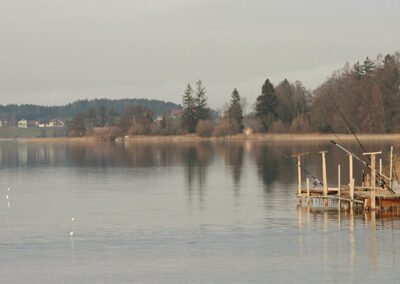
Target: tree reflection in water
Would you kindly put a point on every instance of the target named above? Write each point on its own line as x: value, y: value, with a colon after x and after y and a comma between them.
x: 196, y: 159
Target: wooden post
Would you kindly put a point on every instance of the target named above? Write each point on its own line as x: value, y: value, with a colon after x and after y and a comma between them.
x: 350, y: 168
x: 338, y: 177
x: 299, y: 175
x: 324, y: 172
x: 380, y: 166
x: 373, y: 182
x: 351, y: 193
x: 373, y: 177
x: 308, y: 191
x: 299, y: 171
x: 391, y: 166
x: 367, y: 180
x: 352, y: 190
x: 324, y: 177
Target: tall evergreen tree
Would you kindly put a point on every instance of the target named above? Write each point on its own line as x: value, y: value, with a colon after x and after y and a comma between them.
x: 368, y: 66
x: 189, y: 115
x: 357, y: 71
x: 200, y: 101
x: 266, y: 105
x: 234, y: 112
x: 286, y: 109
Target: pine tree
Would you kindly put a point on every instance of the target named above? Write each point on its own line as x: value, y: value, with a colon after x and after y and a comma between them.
x: 357, y: 71
x: 234, y: 112
x: 368, y: 66
x: 189, y: 116
x: 287, y: 103
x: 266, y: 105
x: 200, y: 100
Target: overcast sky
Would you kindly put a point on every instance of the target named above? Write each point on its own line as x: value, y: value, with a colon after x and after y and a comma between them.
x: 58, y: 51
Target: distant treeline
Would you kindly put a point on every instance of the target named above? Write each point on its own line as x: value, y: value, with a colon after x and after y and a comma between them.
x: 13, y: 112
x: 364, y: 98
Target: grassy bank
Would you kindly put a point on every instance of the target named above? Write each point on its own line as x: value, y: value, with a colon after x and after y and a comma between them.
x: 31, y: 132
x: 269, y: 137
x: 240, y: 137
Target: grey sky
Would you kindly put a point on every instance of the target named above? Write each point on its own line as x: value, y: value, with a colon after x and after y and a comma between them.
x: 58, y: 51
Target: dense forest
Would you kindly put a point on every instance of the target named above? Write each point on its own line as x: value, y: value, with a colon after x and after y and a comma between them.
x: 367, y: 95
x: 14, y: 113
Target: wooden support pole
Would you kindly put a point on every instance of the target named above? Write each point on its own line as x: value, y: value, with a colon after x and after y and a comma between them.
x: 380, y: 166
x: 350, y: 168
x: 324, y: 177
x: 338, y: 177
x: 324, y: 172
x: 351, y: 193
x: 373, y: 177
x: 373, y: 182
x: 299, y: 175
x: 391, y: 166
x: 308, y: 191
x: 352, y: 190
x: 299, y: 171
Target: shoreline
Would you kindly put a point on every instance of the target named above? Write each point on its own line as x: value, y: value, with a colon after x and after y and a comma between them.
x: 196, y: 138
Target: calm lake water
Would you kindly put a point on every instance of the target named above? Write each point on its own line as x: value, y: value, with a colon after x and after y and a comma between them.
x: 182, y: 213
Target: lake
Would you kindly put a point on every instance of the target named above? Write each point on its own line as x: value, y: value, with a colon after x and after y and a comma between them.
x: 204, y: 212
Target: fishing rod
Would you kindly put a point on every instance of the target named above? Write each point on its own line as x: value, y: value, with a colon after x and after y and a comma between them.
x: 352, y: 154
x: 316, y: 181
x: 378, y: 175
x: 349, y: 128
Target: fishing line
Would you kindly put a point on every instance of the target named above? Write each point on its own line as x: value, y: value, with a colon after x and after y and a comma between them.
x: 351, y: 130
x: 367, y: 165
x: 286, y: 155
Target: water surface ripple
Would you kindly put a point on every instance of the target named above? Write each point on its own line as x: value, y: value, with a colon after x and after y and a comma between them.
x: 212, y: 212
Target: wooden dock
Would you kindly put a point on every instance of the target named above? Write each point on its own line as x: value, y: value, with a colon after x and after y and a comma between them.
x: 384, y: 200
x: 369, y: 196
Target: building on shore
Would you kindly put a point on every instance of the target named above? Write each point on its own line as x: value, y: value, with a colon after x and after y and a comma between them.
x: 56, y: 123
x: 176, y: 113
x: 23, y: 123
x: 3, y: 122
x: 33, y: 123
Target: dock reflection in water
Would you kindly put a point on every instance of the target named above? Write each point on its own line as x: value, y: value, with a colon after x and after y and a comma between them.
x: 363, y: 229
x: 209, y: 212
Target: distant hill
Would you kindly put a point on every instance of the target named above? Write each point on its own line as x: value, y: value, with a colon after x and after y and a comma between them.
x: 36, y: 112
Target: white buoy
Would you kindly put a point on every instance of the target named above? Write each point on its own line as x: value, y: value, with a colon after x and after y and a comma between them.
x: 72, y: 227
x: 8, y: 189
x: 7, y: 196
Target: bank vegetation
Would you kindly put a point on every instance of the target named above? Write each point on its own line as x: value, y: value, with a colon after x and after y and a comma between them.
x: 364, y: 98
